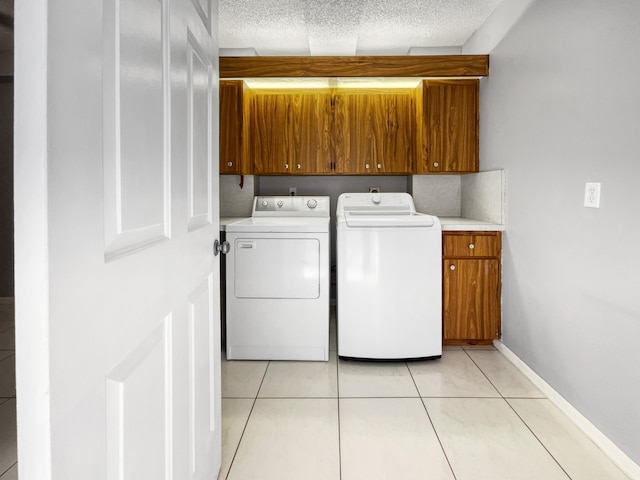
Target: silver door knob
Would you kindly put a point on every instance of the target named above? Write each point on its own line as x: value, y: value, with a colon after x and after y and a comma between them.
x: 286, y: 165
x: 298, y: 166
x: 366, y: 165
x: 452, y: 267
x: 229, y: 164
x: 223, y: 247
x: 436, y: 164
x: 379, y: 165
x: 471, y: 246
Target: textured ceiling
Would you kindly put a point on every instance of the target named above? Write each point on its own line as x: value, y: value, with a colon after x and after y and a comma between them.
x: 349, y: 27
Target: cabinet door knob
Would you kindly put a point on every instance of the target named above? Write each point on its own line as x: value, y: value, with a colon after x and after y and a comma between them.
x: 366, y: 165
x: 298, y: 166
x: 229, y: 164
x: 436, y: 164
x: 452, y: 267
x: 286, y: 165
x: 379, y: 165
x: 471, y: 246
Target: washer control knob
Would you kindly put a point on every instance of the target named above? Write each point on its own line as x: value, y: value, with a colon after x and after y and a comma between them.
x: 265, y: 203
x: 312, y: 203
x: 280, y: 203
x: 376, y: 199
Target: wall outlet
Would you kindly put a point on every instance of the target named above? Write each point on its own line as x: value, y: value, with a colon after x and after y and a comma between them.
x: 374, y: 189
x: 592, y: 195
x: 292, y: 191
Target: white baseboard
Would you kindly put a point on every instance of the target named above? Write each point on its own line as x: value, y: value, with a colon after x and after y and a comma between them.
x: 7, y: 300
x: 621, y: 459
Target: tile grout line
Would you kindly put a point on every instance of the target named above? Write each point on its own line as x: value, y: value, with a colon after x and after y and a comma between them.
x: 431, y: 423
x: 535, y: 436
x: 255, y: 399
x: 506, y: 400
x: 484, y: 374
x: 3, y: 473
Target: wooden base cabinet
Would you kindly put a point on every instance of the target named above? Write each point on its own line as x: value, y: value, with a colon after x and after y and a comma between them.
x: 471, y: 287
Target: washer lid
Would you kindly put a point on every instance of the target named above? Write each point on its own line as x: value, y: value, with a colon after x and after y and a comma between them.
x: 280, y: 225
x: 378, y: 219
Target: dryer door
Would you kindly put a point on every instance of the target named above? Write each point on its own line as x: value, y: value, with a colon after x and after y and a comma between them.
x: 276, y: 267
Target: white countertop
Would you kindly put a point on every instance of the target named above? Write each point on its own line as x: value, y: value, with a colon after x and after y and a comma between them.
x: 448, y: 223
x: 460, y: 223
x: 224, y: 221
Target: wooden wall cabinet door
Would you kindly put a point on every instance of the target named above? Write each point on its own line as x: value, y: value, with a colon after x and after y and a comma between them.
x: 471, y: 287
x: 231, y: 127
x: 400, y: 148
x: 449, y: 136
x: 311, y: 132
x: 373, y: 131
x: 288, y: 131
x: 269, y: 145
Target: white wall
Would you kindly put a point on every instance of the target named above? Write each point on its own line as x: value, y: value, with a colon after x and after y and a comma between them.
x: 561, y: 107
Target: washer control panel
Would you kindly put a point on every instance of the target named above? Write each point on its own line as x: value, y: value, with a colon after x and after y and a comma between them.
x: 375, y: 202
x: 291, y: 206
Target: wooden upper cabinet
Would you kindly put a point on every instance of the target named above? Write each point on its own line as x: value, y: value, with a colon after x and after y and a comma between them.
x: 449, y: 136
x: 231, y: 127
x: 311, y: 131
x: 429, y: 129
x: 288, y: 131
x: 373, y: 131
x: 268, y: 142
x: 401, y: 139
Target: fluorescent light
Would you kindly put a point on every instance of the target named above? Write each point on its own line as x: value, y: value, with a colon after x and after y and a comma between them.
x: 341, y: 82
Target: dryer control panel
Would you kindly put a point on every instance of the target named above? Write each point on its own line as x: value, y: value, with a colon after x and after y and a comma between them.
x: 287, y: 206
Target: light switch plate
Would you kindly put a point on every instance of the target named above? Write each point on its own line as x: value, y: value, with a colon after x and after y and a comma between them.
x: 592, y: 195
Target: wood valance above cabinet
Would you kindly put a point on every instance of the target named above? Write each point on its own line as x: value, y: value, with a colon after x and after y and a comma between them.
x: 356, y: 66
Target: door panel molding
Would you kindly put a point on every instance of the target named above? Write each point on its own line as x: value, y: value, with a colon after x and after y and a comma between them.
x: 136, y: 126
x: 142, y: 384
x: 199, y: 134
x: 202, y: 340
x: 204, y: 11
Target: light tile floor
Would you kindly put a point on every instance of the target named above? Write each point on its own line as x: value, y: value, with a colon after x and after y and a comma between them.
x: 8, y: 450
x: 470, y: 415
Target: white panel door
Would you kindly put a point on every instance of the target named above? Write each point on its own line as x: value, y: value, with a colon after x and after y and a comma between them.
x: 116, y: 205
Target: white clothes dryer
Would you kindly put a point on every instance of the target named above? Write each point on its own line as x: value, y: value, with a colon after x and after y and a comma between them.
x: 278, y: 281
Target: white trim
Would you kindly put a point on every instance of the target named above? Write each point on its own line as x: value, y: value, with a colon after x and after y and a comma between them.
x: 7, y: 300
x: 611, y: 450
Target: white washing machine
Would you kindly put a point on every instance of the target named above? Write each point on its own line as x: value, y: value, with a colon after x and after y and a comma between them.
x: 278, y: 280
x: 389, y: 292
